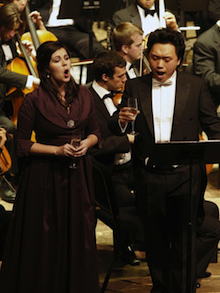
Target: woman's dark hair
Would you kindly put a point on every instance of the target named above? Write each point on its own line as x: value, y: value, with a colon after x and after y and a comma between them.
x: 167, y: 36
x: 44, y: 53
x: 105, y: 63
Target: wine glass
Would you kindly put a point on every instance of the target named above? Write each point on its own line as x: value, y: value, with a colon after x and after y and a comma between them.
x: 75, y: 141
x: 133, y: 105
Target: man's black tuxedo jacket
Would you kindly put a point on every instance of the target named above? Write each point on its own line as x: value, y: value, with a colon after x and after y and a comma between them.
x: 193, y: 111
x: 111, y: 144
x: 8, y: 77
x: 129, y: 14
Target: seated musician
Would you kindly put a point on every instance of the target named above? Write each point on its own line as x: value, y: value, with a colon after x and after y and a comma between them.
x: 74, y: 33
x: 146, y: 14
x: 10, y: 22
x: 127, y: 39
x: 110, y: 75
x: 35, y: 15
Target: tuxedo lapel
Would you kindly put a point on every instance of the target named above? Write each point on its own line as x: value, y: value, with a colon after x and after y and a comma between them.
x: 216, y: 34
x: 182, y: 95
x: 100, y: 106
x: 134, y: 15
x: 145, y: 96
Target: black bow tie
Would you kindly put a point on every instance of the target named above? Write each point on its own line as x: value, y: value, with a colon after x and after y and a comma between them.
x: 109, y: 95
x: 148, y: 11
x: 131, y: 66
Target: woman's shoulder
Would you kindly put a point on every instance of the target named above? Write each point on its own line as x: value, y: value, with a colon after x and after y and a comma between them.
x: 84, y: 92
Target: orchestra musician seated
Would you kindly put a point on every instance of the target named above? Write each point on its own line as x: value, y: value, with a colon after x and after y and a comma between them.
x: 116, y: 153
x: 127, y: 40
x: 146, y: 14
x: 10, y: 22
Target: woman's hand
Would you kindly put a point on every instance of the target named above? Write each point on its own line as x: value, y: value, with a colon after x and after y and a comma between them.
x: 70, y: 151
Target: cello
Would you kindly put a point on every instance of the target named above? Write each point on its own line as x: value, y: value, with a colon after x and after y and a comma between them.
x: 28, y: 66
x: 5, y: 158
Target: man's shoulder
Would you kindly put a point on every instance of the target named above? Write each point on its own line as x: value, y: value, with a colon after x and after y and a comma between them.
x: 188, y: 77
x: 206, y: 36
x: 126, y: 11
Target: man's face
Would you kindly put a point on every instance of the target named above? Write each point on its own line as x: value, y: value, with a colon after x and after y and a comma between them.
x: 135, y: 49
x: 146, y: 3
x: 163, y: 61
x: 21, y: 4
x: 116, y: 84
x: 6, y: 34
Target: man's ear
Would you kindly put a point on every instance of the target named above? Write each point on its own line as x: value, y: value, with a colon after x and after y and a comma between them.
x: 105, y: 77
x: 124, y: 49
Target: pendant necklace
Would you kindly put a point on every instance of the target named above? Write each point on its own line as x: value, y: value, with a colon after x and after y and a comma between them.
x: 70, y: 123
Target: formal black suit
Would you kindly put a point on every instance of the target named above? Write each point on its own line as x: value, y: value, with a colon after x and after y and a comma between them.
x: 111, y: 144
x: 206, y: 60
x: 129, y: 14
x: 162, y: 192
x: 9, y: 79
x: 122, y: 175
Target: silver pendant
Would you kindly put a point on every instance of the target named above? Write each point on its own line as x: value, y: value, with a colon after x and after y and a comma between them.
x: 70, y: 123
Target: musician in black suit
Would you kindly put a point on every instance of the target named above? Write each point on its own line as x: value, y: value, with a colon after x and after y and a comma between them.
x: 145, y: 14
x: 74, y: 33
x: 173, y: 106
x: 10, y: 22
x: 110, y: 75
x: 206, y: 60
x: 127, y: 39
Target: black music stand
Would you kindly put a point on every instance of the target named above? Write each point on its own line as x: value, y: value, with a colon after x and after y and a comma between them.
x: 186, y: 153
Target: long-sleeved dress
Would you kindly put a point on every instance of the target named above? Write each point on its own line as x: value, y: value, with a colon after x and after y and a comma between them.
x: 51, y: 244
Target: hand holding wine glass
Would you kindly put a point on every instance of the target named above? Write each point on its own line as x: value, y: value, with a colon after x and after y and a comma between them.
x: 75, y: 141
x: 133, y: 105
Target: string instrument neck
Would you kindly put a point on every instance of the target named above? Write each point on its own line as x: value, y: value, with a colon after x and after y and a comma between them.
x: 31, y: 25
x: 27, y: 58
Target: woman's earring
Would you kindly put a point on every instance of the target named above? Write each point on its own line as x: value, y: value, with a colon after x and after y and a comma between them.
x: 48, y: 75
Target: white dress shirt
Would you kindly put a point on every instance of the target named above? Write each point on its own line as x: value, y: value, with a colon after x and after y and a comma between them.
x: 130, y: 71
x: 107, y: 101
x: 149, y: 23
x: 119, y: 158
x: 163, y: 100
x: 53, y: 21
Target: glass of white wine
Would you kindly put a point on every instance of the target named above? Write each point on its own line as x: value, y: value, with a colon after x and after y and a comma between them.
x: 75, y: 141
x: 133, y: 105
